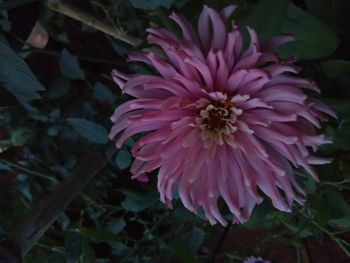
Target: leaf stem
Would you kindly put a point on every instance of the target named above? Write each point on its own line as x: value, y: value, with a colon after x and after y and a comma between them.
x: 29, y: 171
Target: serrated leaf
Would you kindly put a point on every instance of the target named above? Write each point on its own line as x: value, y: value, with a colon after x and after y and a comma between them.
x: 90, y: 130
x: 16, y: 77
x: 69, y: 66
x: 151, y: 4
x: 123, y: 159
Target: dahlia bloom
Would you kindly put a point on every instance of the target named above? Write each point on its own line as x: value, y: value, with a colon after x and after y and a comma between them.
x: 221, y: 121
x: 255, y: 260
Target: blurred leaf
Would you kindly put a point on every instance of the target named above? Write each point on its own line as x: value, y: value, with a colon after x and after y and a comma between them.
x: 136, y: 202
x: 335, y: 68
x: 16, y: 77
x: 103, y: 94
x: 69, y: 66
x: 343, y: 222
x: 336, y: 203
x: 59, y: 88
x: 344, y: 245
x: 73, y: 245
x: 91, y: 131
x: 150, y: 4
x: 64, y: 221
x: 267, y: 16
x: 88, y: 255
x: 5, y: 25
x: 117, y: 226
x: 194, y: 240
x: 188, y: 243
x: 97, y: 234
x: 310, y: 185
x: 123, y: 159
x: 180, y: 3
x: 333, y: 12
x: 4, y: 167
x: 313, y: 38
x: 340, y: 137
x: 297, y: 230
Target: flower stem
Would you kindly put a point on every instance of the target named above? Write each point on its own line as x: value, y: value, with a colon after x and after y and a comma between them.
x: 29, y: 171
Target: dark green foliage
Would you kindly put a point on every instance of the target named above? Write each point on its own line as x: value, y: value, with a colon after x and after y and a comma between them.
x: 150, y: 4
x: 119, y: 219
x: 91, y: 131
x: 16, y: 77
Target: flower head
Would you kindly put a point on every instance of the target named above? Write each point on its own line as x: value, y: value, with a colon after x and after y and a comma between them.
x: 221, y: 121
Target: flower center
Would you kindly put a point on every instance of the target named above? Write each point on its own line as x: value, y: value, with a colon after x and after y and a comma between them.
x: 214, y: 118
x: 217, y: 120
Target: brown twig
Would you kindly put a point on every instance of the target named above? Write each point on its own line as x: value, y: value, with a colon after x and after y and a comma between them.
x: 79, y: 15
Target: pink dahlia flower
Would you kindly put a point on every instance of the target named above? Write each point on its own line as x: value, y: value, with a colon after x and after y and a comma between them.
x: 221, y: 121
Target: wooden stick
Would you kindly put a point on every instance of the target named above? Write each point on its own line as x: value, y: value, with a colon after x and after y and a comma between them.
x: 79, y: 15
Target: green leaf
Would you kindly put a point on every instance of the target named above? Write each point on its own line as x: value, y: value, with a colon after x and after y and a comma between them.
x: 343, y: 222
x: 333, y: 12
x: 59, y: 88
x: 97, y: 233
x: 194, y: 240
x: 16, y: 77
x: 137, y: 202
x: 123, y: 159
x: 69, y: 66
x: 314, y: 39
x: 90, y: 130
x: 103, y: 94
x: 4, y: 167
x: 88, y: 255
x: 267, y: 16
x: 117, y: 226
x: 344, y: 245
x: 151, y: 4
x: 5, y: 25
x: 335, y: 68
x: 340, y: 137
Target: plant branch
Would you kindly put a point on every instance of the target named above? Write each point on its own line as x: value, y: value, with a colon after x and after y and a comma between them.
x: 218, y: 247
x: 27, y: 233
x: 79, y: 15
x: 29, y: 171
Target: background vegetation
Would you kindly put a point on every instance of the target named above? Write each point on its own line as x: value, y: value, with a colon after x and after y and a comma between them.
x: 55, y: 105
